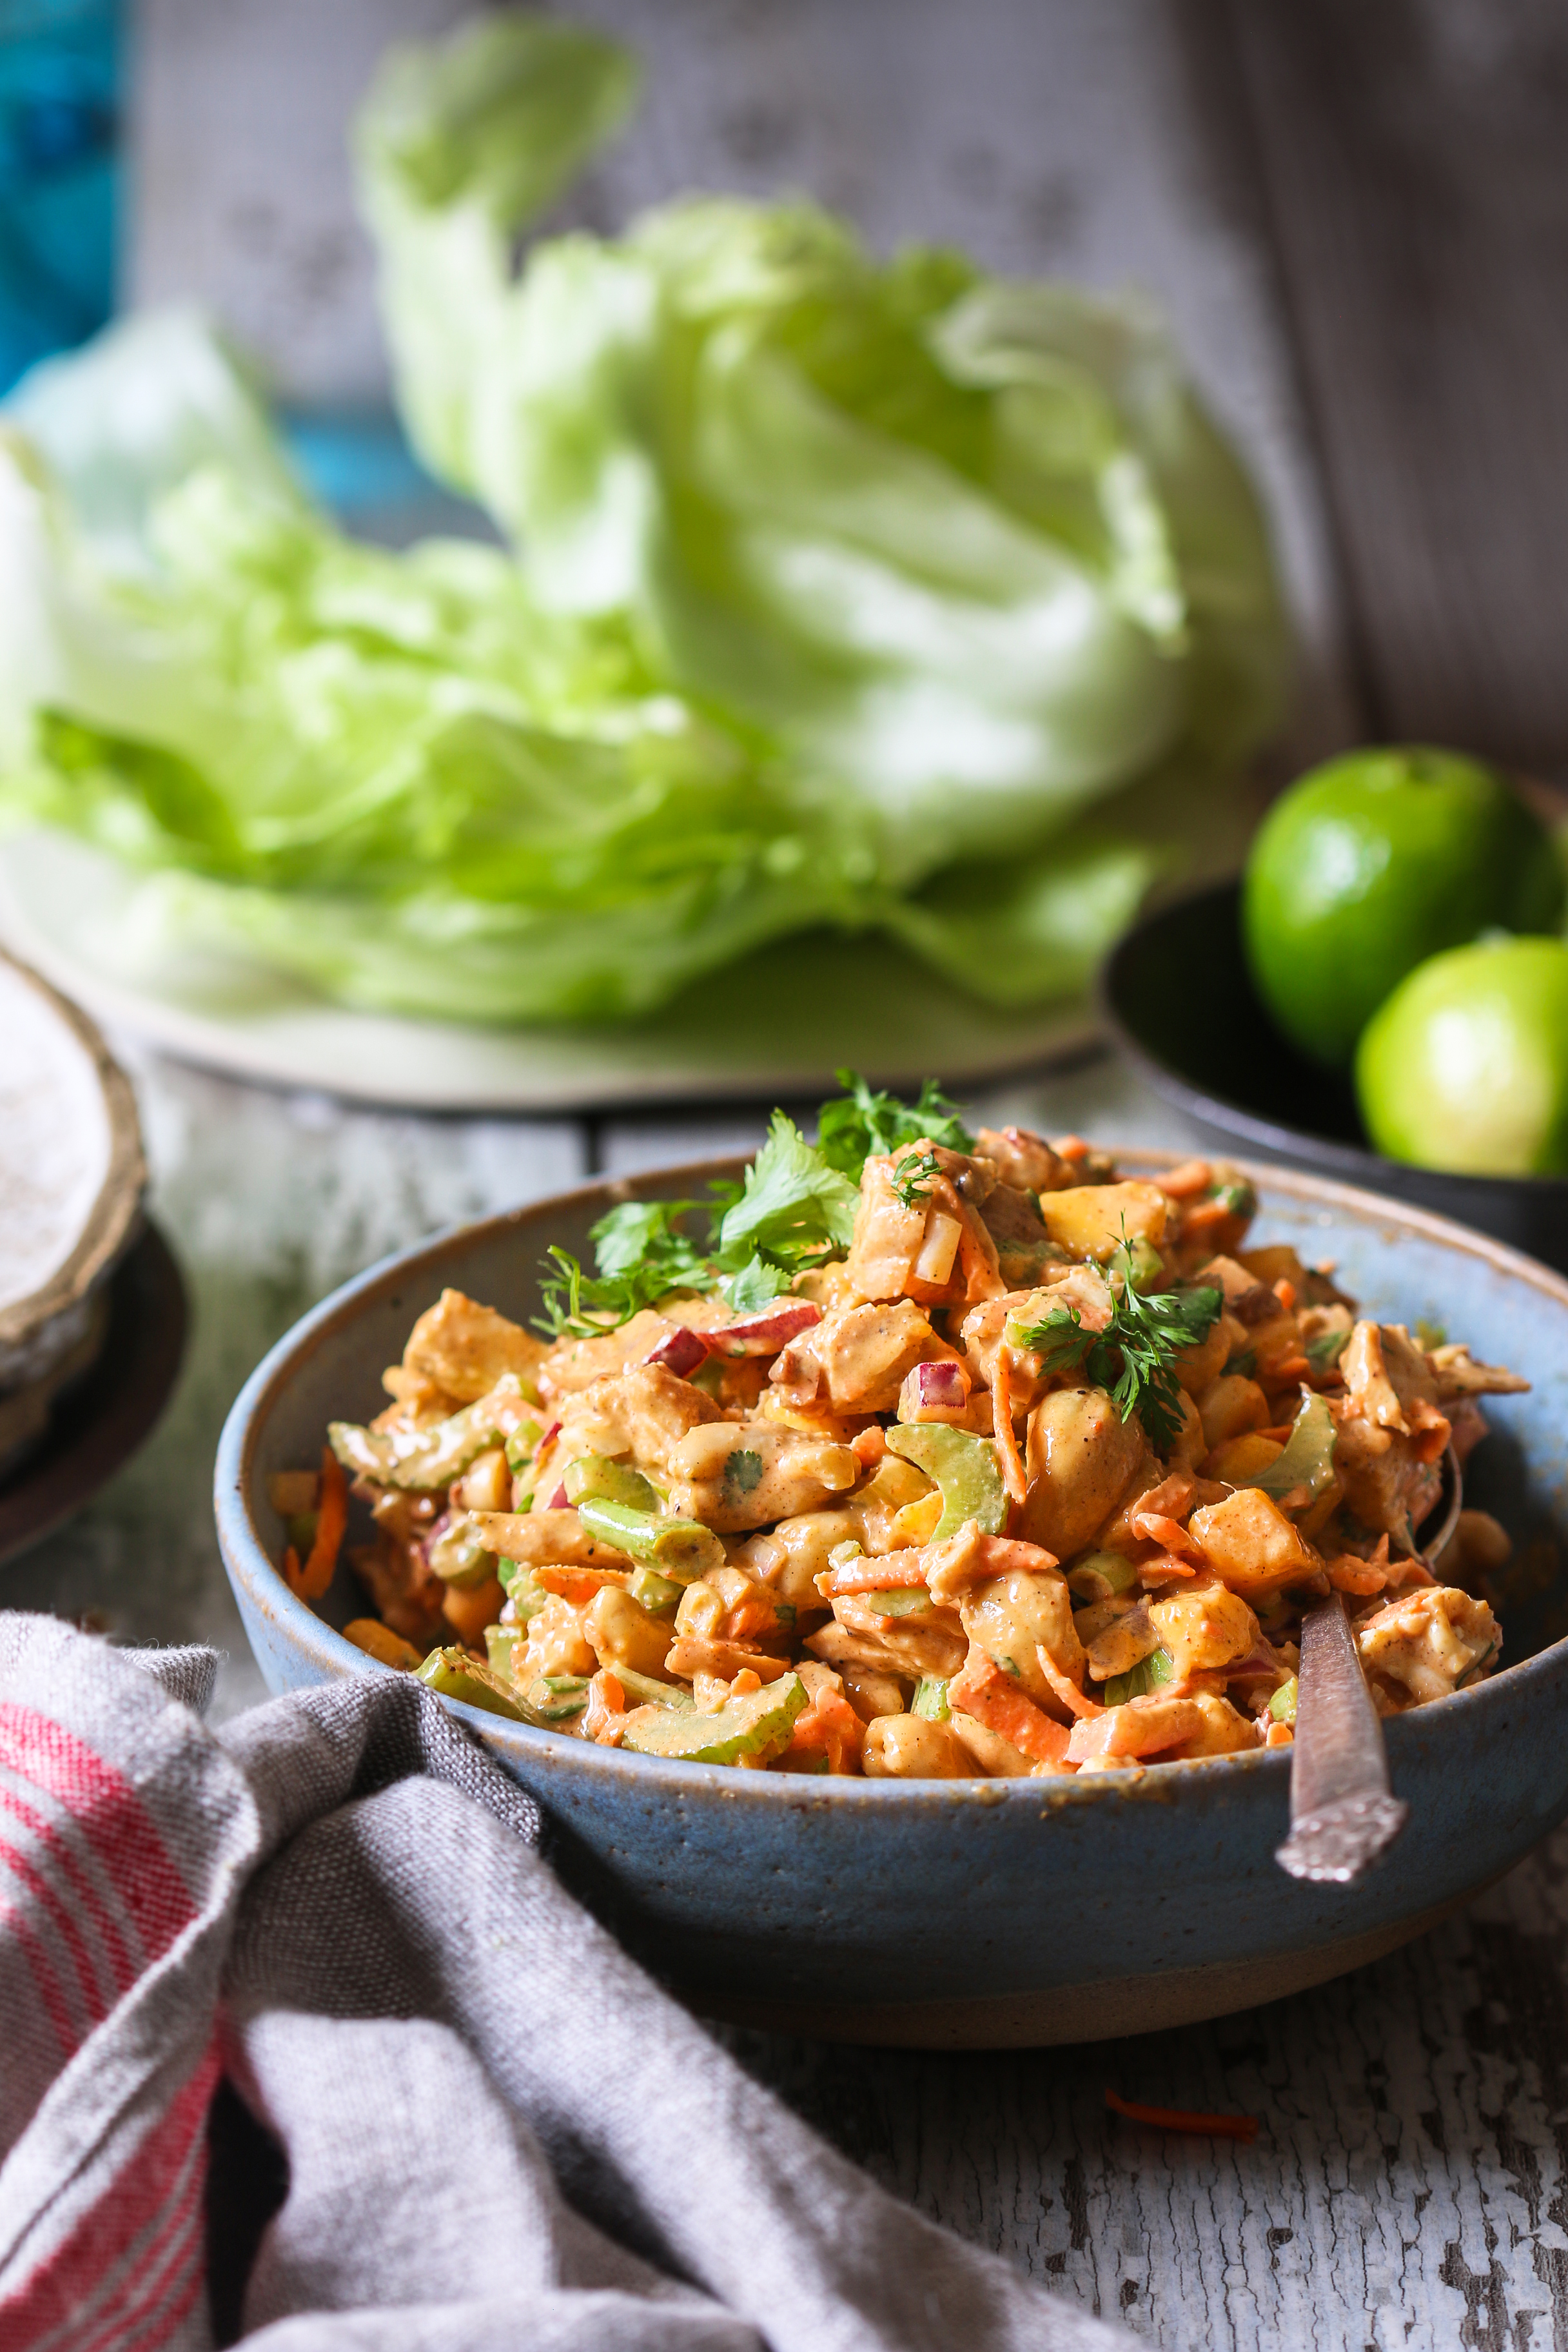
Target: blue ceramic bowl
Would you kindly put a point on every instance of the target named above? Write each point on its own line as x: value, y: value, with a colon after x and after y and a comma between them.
x: 987, y: 1913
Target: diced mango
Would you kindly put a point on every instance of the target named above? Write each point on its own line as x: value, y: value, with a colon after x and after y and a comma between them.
x: 1251, y: 1545
x: 1088, y: 1220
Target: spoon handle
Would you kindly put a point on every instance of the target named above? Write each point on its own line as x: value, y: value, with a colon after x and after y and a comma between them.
x: 1343, y: 1812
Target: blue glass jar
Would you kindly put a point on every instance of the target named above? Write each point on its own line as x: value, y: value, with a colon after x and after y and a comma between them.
x: 60, y: 78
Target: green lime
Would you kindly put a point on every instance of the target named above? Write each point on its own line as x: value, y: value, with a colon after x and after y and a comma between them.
x: 1371, y: 863
x: 1466, y: 1066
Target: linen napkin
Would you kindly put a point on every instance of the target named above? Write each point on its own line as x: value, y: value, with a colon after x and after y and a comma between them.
x: 301, y: 2042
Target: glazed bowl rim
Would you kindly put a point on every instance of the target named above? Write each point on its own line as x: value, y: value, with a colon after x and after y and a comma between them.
x: 250, y: 1567
x: 1357, y: 1161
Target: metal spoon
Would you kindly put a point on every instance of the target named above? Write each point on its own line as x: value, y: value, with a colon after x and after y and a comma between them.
x: 1342, y: 1812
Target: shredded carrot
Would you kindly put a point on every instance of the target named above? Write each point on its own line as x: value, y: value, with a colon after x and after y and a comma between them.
x: 1158, y: 1527
x: 1204, y: 1215
x: 980, y: 1689
x: 1013, y: 1476
x: 1066, y: 1689
x: 1164, y: 1569
x: 868, y: 1445
x: 1183, y: 1184
x: 1179, y: 2119
x: 1349, y: 1574
x: 1278, y: 1735
x: 895, y: 1571
x: 310, y: 1583
x: 578, y: 1585
x: 291, y: 1568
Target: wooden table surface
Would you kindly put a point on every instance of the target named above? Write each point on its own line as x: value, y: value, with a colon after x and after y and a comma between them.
x: 1358, y: 221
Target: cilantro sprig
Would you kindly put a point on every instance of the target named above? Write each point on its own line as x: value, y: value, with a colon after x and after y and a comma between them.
x: 1133, y: 1358
x: 793, y: 1209
x: 864, y: 1125
x: 911, y: 1177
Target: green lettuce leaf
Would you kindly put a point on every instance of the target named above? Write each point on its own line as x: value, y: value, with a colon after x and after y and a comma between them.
x: 839, y: 592
x: 973, y: 550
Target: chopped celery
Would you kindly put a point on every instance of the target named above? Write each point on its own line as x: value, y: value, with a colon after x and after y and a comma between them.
x: 965, y: 1469
x: 1139, y: 1264
x: 501, y: 1642
x: 595, y: 1479
x: 646, y: 1690
x: 550, y: 1700
x: 419, y: 1459
x: 523, y: 1590
x: 902, y: 1601
x: 1325, y: 1348
x: 1282, y: 1706
x: 681, y: 1550
x: 521, y: 1446
x: 758, y: 1724
x: 658, y: 1594
x: 1306, y: 1464
x: 456, y: 1675
x: 1145, y: 1677
x: 459, y: 1558
x: 1098, y: 1575
x: 931, y: 1698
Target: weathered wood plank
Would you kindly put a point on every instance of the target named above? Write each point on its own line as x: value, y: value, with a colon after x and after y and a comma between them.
x: 1414, y: 156
x: 1407, y: 2189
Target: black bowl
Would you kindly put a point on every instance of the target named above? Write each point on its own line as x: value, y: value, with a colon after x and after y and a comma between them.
x: 1178, y: 998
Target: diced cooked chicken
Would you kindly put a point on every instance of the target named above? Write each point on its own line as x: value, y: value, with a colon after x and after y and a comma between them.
x: 933, y: 1245
x: 1226, y: 1731
x: 1024, y: 1247
x: 855, y: 1359
x: 1025, y: 1161
x: 792, y: 1556
x: 1065, y: 1289
x: 1014, y: 1616
x: 1423, y: 1645
x: 640, y: 1416
x: 1456, y: 1374
x: 463, y: 1349
x: 735, y: 1475
x: 1081, y: 1457
x: 558, y: 1642
x: 893, y: 1649
x: 1204, y: 1626
x: 1390, y: 1433
x: 573, y: 1365
x: 544, y: 1538
x: 1249, y: 1300
x: 1125, y: 1643
x: 908, y: 1748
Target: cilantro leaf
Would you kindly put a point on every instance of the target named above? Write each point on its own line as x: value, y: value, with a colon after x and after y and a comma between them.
x: 1133, y: 1358
x: 642, y: 1240
x: 792, y: 1206
x: 640, y: 1254
x: 863, y: 1124
x: 911, y: 1177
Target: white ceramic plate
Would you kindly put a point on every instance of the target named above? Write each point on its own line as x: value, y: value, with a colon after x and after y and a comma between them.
x: 794, y: 1013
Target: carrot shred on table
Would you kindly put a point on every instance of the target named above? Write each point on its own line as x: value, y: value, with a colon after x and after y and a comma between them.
x: 310, y: 1581
x: 1179, y: 2119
